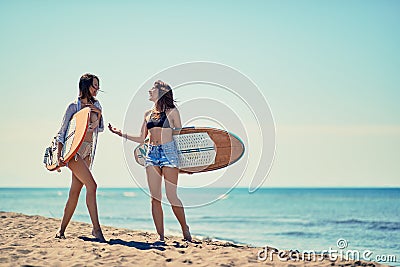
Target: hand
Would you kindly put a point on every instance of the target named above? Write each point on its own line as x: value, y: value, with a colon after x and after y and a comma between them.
x: 61, y: 162
x: 93, y: 108
x: 114, y: 130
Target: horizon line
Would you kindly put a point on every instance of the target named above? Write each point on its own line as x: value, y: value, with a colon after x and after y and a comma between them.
x: 238, y: 187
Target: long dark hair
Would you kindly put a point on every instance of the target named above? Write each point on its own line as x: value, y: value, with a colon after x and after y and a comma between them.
x: 84, y: 84
x: 165, y: 96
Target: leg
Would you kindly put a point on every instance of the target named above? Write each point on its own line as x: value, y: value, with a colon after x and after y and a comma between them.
x: 154, y: 182
x: 95, y: 232
x: 171, y: 181
x: 69, y: 209
x: 80, y: 169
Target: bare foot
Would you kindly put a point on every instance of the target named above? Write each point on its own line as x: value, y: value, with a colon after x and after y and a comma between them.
x: 161, y: 239
x: 60, y: 235
x: 99, y: 235
x: 186, y: 234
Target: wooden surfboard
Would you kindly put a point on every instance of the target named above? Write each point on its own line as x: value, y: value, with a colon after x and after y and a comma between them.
x: 74, y: 138
x: 201, y: 149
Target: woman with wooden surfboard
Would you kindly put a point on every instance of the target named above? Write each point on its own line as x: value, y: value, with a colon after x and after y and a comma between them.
x: 75, y: 148
x: 170, y: 149
x: 162, y: 157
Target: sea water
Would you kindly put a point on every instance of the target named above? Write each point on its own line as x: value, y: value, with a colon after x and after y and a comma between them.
x: 284, y: 218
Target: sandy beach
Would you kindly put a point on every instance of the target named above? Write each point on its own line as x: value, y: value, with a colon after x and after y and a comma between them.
x: 29, y: 241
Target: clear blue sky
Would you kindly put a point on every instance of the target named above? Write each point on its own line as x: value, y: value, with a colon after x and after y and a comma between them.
x: 329, y: 70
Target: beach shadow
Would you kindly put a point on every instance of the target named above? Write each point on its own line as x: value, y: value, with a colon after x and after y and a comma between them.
x: 138, y: 245
x: 131, y: 244
x: 91, y: 239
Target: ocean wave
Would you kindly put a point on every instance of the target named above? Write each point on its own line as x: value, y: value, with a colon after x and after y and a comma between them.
x: 390, y: 226
x: 349, y: 221
x: 376, y: 225
x: 256, y: 219
x: 298, y: 234
x: 106, y: 194
x: 121, y: 218
x: 129, y: 194
x: 238, y: 220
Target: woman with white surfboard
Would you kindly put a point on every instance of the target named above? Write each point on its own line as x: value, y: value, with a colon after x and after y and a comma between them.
x: 81, y: 164
x: 162, y: 156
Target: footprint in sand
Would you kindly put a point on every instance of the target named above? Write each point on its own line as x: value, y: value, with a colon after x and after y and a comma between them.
x: 24, y: 251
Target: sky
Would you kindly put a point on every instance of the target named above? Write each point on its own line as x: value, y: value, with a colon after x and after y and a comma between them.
x: 327, y: 69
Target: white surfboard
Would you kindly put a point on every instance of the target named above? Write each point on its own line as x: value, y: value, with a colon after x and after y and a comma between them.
x: 201, y: 149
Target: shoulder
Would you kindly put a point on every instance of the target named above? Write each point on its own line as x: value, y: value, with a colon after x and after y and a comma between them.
x: 172, y: 112
x: 72, y: 107
x: 147, y: 113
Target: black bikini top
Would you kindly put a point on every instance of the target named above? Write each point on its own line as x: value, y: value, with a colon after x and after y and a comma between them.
x: 162, y: 121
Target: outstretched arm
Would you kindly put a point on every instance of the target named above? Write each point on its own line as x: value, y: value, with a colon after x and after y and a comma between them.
x: 137, y: 139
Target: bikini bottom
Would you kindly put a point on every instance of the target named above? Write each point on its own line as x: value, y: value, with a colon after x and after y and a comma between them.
x: 85, y: 150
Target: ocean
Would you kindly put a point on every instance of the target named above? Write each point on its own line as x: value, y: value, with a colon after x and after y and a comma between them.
x: 363, y: 219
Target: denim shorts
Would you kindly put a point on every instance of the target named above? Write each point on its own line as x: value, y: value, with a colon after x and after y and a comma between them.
x: 164, y: 155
